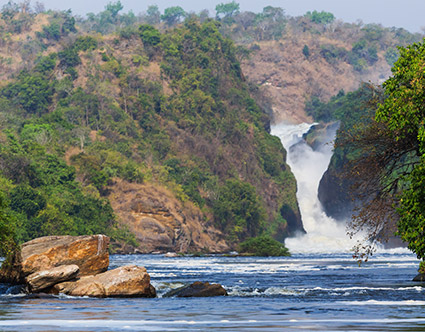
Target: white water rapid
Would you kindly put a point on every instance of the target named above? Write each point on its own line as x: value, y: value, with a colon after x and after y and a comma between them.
x: 324, y: 234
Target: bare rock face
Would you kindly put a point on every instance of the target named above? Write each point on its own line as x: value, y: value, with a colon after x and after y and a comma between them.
x: 89, y: 253
x: 38, y: 281
x: 161, y: 222
x: 126, y: 281
x: 198, y: 289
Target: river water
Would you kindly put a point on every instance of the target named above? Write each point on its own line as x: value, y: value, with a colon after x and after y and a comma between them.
x: 305, y: 292
x: 319, y: 288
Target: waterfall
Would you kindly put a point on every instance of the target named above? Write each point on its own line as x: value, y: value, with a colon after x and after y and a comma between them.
x: 324, y: 234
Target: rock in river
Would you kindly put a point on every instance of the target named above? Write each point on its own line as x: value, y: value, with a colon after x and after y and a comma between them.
x: 89, y: 253
x: 198, y: 289
x: 126, y: 281
x: 41, y: 280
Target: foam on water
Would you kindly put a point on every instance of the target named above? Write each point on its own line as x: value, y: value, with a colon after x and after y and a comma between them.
x: 386, y: 303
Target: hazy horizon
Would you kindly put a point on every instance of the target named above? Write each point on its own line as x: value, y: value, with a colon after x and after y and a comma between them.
x: 406, y: 14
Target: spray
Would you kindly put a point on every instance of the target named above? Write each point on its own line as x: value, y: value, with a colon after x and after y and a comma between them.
x: 324, y: 234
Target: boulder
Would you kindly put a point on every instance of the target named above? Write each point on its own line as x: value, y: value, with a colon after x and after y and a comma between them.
x: 38, y: 281
x: 89, y: 253
x: 126, y: 281
x: 420, y: 277
x: 198, y: 289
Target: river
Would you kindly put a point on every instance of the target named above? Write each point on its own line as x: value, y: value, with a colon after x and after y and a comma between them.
x: 305, y: 292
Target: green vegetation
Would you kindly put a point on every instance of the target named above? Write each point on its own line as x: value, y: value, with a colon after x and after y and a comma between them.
x: 237, y: 210
x: 403, y: 113
x: 263, y: 246
x: 96, y: 111
x: 226, y: 11
x: 381, y: 146
x: 7, y: 229
x: 320, y: 17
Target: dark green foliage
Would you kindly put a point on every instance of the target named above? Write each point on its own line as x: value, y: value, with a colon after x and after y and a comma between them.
x: 226, y: 10
x: 173, y: 15
x: 362, y: 52
x: 7, y: 228
x: 190, y: 177
x: 69, y: 58
x: 306, y: 51
x: 348, y: 108
x: 85, y: 43
x: 113, y: 8
x: 320, y: 17
x: 263, y: 246
x: 61, y: 25
x: 403, y: 113
x: 25, y: 199
x: 149, y: 35
x: 238, y: 211
x: 411, y: 226
x: 45, y: 64
x: 332, y: 53
x: 33, y: 92
x: 52, y: 31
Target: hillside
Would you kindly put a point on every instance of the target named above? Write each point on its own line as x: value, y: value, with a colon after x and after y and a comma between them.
x: 296, y: 59
x: 151, y: 137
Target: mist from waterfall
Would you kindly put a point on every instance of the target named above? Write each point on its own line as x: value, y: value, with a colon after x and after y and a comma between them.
x: 324, y: 234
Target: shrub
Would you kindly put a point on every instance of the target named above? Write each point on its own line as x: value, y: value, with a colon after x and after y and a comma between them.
x: 263, y: 246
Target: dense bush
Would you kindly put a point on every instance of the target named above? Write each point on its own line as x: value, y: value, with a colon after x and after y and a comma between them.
x: 263, y: 246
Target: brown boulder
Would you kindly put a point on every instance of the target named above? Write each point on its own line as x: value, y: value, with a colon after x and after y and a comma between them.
x: 38, y: 281
x: 89, y: 253
x: 198, y: 289
x: 126, y: 281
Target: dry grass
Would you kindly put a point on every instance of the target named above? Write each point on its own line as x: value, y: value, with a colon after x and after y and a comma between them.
x: 288, y: 78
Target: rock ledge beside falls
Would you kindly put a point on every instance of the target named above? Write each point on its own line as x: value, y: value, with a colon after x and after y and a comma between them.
x: 74, y: 265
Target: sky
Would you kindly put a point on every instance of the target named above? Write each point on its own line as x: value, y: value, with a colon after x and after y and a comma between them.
x: 408, y: 14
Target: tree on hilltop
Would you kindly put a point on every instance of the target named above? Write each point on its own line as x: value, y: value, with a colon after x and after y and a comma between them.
x: 226, y: 11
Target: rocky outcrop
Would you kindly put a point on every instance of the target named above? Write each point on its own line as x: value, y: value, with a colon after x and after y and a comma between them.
x: 126, y: 281
x: 198, y: 289
x: 89, y: 253
x: 161, y: 222
x: 41, y: 280
x: 74, y: 265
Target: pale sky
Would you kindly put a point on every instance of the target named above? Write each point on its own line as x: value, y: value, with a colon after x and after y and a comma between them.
x: 408, y: 14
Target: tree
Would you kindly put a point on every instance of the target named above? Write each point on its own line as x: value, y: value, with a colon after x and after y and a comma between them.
x: 226, y: 10
x: 404, y: 113
x: 271, y: 23
x: 153, y: 16
x: 320, y: 17
x: 149, y: 35
x: 173, y: 15
x: 114, y: 8
x: 306, y: 51
x: 392, y: 154
x: 7, y: 231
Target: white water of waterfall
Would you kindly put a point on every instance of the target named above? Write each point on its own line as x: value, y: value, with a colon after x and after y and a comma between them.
x: 324, y: 234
